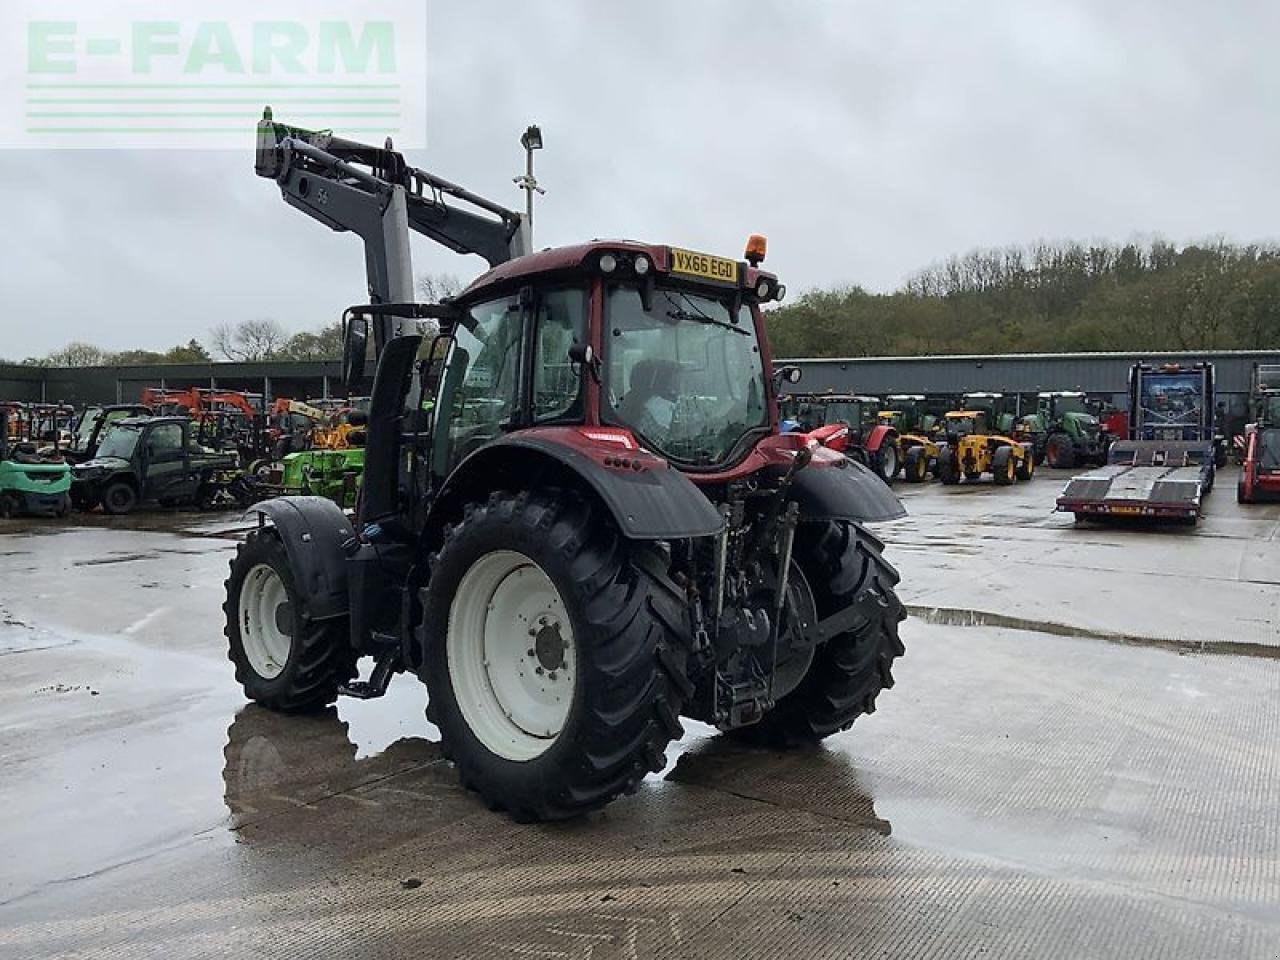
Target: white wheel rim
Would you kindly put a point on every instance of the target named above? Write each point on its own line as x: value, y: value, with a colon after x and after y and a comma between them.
x: 890, y: 461
x: 511, y: 655
x: 261, y: 597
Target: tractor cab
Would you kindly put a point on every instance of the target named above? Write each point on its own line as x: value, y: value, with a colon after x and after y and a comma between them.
x: 622, y: 344
x: 908, y: 413
x: 965, y: 423
x: 998, y: 408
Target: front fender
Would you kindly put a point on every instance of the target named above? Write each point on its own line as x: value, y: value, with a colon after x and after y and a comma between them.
x: 313, y: 531
x: 845, y: 490
x: 648, y: 499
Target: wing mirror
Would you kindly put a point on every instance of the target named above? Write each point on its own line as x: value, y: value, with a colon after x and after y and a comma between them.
x: 355, y: 345
x: 789, y: 373
x: 583, y: 355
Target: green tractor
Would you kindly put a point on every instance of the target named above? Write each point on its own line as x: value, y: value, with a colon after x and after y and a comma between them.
x: 31, y: 483
x: 1001, y: 411
x: 1065, y: 432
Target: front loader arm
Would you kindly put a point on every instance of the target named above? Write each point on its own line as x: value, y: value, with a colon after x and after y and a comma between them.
x: 375, y: 194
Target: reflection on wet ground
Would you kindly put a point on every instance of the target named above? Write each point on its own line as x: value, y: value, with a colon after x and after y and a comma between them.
x: 1023, y: 791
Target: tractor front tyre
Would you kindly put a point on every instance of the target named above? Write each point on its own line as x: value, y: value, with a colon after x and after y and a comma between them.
x: 916, y: 465
x: 1004, y: 470
x: 284, y: 660
x: 555, y: 658
x: 948, y: 467
x: 119, y: 498
x: 1060, y: 452
x: 1026, y: 467
x: 845, y: 568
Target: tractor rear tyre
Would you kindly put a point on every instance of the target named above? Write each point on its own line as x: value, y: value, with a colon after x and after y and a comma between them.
x: 916, y: 468
x: 1004, y: 470
x: 1060, y: 452
x: 555, y: 660
x: 885, y: 461
x: 284, y: 660
x: 844, y: 565
x: 948, y: 467
x: 119, y: 498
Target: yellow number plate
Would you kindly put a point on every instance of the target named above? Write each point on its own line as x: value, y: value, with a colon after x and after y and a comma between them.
x: 704, y: 266
x: 1126, y: 511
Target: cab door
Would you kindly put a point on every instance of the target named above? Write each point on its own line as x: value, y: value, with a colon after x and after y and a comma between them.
x: 166, y: 469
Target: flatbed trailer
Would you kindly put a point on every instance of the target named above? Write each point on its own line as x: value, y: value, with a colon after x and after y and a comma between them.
x: 1167, y: 469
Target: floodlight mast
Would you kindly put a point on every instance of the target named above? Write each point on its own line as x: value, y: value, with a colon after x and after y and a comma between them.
x: 372, y: 192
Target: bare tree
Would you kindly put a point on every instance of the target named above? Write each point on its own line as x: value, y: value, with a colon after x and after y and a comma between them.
x: 434, y: 287
x: 249, y: 340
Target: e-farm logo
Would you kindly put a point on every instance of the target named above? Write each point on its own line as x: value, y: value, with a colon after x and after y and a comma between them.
x: 196, y: 75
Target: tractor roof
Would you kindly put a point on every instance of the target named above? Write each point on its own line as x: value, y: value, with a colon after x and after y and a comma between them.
x: 906, y: 396
x: 991, y: 396
x: 1062, y: 393
x: 585, y: 256
x: 965, y: 414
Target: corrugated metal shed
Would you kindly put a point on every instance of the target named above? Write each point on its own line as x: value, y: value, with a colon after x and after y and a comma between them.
x: 1014, y: 373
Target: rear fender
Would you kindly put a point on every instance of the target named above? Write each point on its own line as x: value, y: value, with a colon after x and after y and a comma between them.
x: 648, y: 499
x: 313, y: 531
x: 880, y: 436
x: 845, y: 490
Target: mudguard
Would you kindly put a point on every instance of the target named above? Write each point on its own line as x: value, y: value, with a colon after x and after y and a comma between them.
x: 878, y: 435
x: 648, y: 499
x: 846, y: 490
x: 313, y: 531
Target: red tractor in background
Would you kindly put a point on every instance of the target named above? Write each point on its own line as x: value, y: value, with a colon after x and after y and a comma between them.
x: 849, y: 424
x: 1260, y: 472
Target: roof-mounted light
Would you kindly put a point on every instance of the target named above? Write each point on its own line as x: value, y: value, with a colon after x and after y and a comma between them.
x: 757, y: 245
x: 641, y: 265
x: 608, y: 263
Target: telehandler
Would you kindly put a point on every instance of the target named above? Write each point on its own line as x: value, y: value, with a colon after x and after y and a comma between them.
x: 592, y: 527
x: 972, y: 449
x: 917, y: 431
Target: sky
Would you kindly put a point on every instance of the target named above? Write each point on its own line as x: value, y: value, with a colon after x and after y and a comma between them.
x: 866, y: 140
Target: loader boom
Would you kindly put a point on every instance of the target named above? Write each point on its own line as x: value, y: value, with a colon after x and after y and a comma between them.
x: 372, y: 192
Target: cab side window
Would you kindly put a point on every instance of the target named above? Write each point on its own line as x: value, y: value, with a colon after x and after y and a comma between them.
x: 165, y: 442
x: 561, y: 322
x: 479, y: 391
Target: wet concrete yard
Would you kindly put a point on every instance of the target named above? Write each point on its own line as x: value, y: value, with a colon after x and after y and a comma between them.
x: 1081, y: 758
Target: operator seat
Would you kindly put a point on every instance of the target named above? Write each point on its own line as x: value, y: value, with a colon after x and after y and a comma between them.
x: 649, y: 379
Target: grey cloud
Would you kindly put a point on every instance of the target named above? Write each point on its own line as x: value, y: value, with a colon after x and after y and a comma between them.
x: 865, y: 139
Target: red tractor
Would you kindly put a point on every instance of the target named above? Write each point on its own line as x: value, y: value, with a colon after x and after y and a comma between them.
x: 1260, y: 471
x: 849, y: 424
x: 578, y: 520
